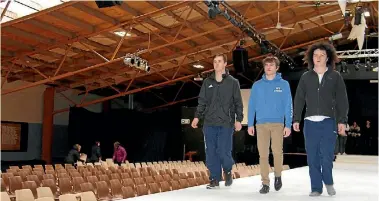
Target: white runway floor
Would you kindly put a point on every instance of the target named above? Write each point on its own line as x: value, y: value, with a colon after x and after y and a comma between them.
x: 355, y: 177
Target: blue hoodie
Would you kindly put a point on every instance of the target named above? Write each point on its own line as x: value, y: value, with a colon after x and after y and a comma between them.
x: 270, y: 102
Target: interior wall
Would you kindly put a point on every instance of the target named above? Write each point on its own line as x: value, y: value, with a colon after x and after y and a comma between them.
x: 27, y: 106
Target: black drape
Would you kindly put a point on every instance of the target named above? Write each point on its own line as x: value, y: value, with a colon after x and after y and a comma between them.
x: 145, y: 136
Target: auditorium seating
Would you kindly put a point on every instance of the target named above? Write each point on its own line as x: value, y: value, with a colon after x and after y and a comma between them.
x: 106, y: 180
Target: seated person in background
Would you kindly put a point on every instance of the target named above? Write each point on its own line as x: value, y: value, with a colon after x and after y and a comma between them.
x: 95, y: 153
x: 355, y: 130
x: 353, y: 138
x: 119, y: 155
x: 73, y: 155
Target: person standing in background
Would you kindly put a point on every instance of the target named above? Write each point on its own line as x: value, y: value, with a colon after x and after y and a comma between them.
x: 323, y: 91
x: 341, y: 142
x: 220, y: 104
x: 74, y: 155
x: 271, y: 103
x: 95, y: 153
x: 119, y: 155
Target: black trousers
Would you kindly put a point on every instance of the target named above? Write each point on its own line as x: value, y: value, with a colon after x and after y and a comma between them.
x: 340, y: 144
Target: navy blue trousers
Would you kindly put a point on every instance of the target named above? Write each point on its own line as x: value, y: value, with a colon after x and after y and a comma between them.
x: 218, y: 150
x: 320, y: 139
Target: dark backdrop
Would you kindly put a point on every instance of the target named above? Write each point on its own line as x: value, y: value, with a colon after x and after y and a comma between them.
x: 145, y: 136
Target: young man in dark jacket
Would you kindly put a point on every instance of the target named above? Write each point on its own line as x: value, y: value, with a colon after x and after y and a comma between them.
x: 220, y: 105
x: 323, y: 91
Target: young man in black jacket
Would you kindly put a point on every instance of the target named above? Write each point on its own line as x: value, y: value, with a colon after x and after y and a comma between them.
x: 220, y: 105
x: 323, y: 91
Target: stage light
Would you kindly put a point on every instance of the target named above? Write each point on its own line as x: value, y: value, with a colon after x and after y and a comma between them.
x: 136, y: 62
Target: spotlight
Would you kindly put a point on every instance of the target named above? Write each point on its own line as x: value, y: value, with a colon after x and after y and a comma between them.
x: 213, y: 9
x: 136, y: 62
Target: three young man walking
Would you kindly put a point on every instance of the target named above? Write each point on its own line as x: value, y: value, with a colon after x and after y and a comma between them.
x: 321, y: 89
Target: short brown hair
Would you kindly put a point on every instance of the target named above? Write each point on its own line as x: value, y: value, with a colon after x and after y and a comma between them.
x: 224, y: 57
x: 271, y: 59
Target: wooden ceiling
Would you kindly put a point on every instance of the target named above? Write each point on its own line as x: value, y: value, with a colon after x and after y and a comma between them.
x: 74, y: 45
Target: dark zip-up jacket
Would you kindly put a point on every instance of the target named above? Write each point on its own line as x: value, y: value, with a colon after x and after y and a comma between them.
x: 73, y: 156
x: 95, y: 153
x: 328, y: 98
x: 220, y: 103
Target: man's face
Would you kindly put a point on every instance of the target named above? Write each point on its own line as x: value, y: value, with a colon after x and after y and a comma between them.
x: 270, y: 68
x: 319, y: 57
x: 219, y: 64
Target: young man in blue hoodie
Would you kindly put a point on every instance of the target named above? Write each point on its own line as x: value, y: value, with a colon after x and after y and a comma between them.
x: 271, y: 104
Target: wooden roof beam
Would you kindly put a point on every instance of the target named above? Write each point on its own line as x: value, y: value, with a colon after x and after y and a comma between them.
x: 96, y: 13
x: 179, y: 19
x: 18, y: 32
x: 39, y: 13
x: 46, y: 26
x: 74, y: 21
x: 134, y: 12
x: 215, y: 21
x: 212, y: 53
x: 59, y: 42
x: 121, y: 58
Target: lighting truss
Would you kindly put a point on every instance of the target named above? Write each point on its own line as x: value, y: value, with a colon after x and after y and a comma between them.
x: 351, y: 54
x: 239, y: 21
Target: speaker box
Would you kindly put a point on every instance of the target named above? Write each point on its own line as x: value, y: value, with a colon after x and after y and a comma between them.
x: 240, y: 60
x: 106, y: 4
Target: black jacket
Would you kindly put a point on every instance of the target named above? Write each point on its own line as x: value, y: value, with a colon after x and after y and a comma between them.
x: 73, y: 156
x: 327, y: 99
x: 95, y: 153
x: 220, y: 104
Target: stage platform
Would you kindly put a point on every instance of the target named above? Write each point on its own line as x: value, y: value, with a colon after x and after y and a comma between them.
x: 355, y: 177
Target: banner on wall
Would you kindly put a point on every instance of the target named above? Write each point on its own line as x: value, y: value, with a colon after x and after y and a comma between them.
x: 14, y: 136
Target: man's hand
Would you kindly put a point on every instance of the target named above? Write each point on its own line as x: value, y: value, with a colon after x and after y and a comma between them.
x: 238, y: 126
x: 250, y: 130
x: 296, y: 127
x: 286, y: 132
x: 195, y: 121
x: 341, y: 129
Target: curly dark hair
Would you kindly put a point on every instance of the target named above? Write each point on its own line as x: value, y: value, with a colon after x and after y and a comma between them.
x: 330, y: 53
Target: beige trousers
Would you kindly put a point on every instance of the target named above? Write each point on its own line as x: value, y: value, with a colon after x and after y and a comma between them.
x: 265, y: 133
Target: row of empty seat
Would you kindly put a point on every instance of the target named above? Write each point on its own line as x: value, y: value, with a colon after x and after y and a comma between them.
x: 109, y: 181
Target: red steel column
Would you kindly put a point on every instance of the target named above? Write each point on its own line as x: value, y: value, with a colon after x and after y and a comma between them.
x: 47, y: 124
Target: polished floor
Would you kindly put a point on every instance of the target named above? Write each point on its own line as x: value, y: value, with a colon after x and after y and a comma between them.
x: 355, y: 177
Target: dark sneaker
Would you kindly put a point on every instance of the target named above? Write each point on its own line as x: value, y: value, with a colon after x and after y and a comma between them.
x: 214, y: 184
x: 228, y: 178
x: 278, y: 183
x: 265, y: 189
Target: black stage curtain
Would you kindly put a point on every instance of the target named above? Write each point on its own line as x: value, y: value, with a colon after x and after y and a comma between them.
x: 145, y: 136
